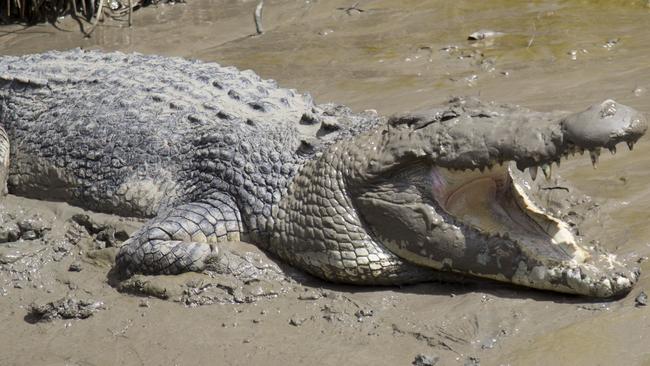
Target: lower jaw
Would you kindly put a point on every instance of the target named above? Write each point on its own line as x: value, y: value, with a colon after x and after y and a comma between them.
x: 550, y: 256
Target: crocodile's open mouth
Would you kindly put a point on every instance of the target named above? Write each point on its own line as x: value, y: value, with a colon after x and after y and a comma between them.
x: 493, y: 204
x: 442, y: 191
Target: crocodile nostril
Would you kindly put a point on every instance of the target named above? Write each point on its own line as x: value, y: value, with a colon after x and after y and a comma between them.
x: 608, y: 108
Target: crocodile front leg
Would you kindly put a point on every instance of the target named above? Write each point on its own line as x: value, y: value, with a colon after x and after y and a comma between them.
x: 180, y: 240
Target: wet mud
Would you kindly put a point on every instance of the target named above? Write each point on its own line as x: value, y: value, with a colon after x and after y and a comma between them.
x: 57, y: 305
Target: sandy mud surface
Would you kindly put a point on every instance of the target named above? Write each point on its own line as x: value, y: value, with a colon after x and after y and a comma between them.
x: 57, y: 306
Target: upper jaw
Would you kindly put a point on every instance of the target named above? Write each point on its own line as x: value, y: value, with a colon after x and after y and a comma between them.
x: 481, y: 135
x: 601, y: 125
x: 604, y: 125
x: 469, y: 134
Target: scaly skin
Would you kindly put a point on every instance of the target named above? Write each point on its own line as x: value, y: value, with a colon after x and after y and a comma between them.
x: 215, y: 154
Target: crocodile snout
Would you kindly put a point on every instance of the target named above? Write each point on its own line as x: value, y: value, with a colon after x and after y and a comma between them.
x: 605, y: 125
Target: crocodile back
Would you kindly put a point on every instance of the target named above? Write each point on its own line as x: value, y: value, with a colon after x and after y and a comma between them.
x: 126, y: 133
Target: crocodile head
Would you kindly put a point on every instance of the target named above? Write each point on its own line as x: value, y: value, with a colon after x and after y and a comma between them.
x: 478, y: 217
x: 441, y: 189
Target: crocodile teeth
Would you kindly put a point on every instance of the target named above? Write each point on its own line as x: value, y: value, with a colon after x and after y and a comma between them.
x: 613, y: 150
x: 594, y: 154
x: 630, y: 145
x: 533, y: 172
x: 547, y: 171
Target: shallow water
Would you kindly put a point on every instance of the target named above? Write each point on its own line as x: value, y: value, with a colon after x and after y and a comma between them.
x: 400, y: 56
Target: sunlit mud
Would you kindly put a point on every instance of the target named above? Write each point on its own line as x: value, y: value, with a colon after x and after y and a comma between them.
x: 392, y: 56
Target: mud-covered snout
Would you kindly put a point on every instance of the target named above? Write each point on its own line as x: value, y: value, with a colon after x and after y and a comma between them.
x: 602, y: 276
x: 604, y: 125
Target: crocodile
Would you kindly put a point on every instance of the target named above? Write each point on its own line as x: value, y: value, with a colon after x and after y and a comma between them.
x: 210, y: 154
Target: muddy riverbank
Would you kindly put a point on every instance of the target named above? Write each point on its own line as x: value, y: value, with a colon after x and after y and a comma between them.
x: 384, y: 55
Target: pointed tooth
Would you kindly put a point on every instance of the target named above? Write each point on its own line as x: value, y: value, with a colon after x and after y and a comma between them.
x: 630, y: 145
x: 594, y: 154
x: 547, y: 171
x: 612, y: 150
x: 581, y: 151
x: 558, y: 163
x: 533, y: 172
